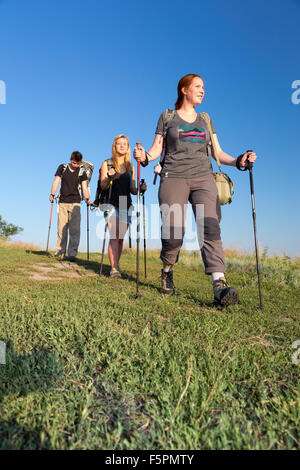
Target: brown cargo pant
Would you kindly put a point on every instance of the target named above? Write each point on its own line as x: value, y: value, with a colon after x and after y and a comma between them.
x: 175, y: 193
x: 68, y: 221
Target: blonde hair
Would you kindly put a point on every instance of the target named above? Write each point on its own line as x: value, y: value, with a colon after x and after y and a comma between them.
x: 128, y: 165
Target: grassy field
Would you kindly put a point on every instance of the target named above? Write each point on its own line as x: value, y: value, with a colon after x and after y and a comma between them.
x: 89, y: 367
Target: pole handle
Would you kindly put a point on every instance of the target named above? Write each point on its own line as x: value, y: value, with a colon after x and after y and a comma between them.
x: 249, y: 164
x: 139, y: 144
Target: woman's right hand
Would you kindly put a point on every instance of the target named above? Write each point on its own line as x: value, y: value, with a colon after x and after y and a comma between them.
x: 139, y: 154
x: 157, y: 169
x: 111, y: 172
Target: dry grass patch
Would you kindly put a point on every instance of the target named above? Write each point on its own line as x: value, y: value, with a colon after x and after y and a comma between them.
x: 56, y: 271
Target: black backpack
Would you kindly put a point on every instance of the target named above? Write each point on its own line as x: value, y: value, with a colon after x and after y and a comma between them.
x: 102, y: 195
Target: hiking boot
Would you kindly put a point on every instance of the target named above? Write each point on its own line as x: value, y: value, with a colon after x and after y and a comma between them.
x: 114, y: 273
x: 224, y: 294
x: 59, y: 256
x: 167, y: 285
x: 73, y: 259
x: 121, y: 272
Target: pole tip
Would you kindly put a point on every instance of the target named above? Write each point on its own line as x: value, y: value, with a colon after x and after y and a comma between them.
x: 137, y: 295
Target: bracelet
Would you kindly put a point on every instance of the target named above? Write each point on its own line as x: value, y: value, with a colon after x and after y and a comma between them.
x: 53, y: 195
x: 146, y: 162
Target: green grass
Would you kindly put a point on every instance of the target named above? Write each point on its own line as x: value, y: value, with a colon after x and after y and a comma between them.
x: 90, y: 367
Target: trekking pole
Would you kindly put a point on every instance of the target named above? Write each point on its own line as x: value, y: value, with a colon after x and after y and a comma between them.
x: 137, y: 294
x: 249, y: 167
x: 129, y: 236
x: 88, y: 231
x: 49, y: 226
x: 105, y: 231
x: 144, y: 231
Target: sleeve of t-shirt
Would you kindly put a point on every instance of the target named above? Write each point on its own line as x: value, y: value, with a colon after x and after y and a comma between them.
x: 83, y: 177
x: 160, y: 125
x: 59, y: 171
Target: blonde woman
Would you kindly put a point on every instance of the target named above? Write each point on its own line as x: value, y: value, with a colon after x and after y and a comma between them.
x: 119, y: 172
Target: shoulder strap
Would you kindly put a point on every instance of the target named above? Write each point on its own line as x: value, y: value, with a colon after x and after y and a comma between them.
x: 81, y: 170
x: 168, y: 115
x: 206, y: 118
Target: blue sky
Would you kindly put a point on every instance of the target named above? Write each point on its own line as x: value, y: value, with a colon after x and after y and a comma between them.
x: 77, y: 73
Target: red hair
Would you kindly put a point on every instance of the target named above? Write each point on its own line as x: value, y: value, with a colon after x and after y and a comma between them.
x: 184, y: 82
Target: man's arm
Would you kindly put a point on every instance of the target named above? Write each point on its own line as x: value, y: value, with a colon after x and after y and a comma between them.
x: 54, y: 187
x: 84, y: 185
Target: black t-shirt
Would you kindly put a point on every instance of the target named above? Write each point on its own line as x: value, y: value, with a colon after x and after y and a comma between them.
x: 69, y: 184
x: 121, y: 189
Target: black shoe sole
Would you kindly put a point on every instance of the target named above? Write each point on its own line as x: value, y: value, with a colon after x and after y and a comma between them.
x: 230, y: 297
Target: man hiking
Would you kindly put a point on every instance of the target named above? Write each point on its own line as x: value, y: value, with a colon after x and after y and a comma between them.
x: 73, y: 179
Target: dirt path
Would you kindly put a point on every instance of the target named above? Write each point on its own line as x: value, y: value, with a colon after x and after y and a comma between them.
x: 57, y: 271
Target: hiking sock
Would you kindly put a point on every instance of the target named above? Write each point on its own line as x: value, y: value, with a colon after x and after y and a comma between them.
x: 168, y: 270
x: 217, y: 276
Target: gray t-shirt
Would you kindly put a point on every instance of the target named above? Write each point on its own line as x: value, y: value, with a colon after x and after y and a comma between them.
x: 186, y: 152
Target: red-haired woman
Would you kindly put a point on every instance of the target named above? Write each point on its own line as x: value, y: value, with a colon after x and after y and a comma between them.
x: 120, y: 172
x: 186, y: 175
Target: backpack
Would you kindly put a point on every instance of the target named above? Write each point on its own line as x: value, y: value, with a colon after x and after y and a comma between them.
x: 222, y: 180
x: 88, y: 167
x: 102, y: 195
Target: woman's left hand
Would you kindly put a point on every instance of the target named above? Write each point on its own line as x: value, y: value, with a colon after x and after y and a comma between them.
x: 248, y: 156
